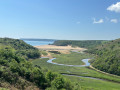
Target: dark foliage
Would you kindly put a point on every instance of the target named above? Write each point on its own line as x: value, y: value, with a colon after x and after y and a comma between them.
x: 22, y: 49
x: 79, y: 43
x: 108, y: 57
x: 55, y: 52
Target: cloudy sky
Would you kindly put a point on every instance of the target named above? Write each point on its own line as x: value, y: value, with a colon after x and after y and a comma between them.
x: 60, y: 19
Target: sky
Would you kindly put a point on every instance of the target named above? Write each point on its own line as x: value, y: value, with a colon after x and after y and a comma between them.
x: 60, y: 19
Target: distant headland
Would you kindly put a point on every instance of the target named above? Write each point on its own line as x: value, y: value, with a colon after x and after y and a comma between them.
x: 37, y: 39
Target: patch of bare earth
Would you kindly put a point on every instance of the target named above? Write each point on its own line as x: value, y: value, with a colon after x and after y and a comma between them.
x: 48, y: 55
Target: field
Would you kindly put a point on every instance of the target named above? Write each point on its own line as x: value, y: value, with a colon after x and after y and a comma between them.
x: 92, y: 84
x: 108, y: 82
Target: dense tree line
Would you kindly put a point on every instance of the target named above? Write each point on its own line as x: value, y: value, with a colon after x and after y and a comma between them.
x: 16, y: 70
x: 108, y: 57
x: 22, y: 49
x: 79, y: 43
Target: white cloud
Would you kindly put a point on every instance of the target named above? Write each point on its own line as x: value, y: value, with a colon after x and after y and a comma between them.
x: 114, y: 20
x: 99, y: 21
x: 114, y: 7
x: 78, y: 22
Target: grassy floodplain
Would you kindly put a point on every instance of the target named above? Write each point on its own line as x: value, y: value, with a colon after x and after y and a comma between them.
x: 92, y: 84
x: 109, y: 83
x: 71, y: 59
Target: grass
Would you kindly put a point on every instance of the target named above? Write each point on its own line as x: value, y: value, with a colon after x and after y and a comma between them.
x: 3, y: 89
x: 81, y: 71
x: 92, y: 84
x: 43, y: 52
x: 71, y: 59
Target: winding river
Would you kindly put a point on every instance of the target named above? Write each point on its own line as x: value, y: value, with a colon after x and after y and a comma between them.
x: 84, y: 60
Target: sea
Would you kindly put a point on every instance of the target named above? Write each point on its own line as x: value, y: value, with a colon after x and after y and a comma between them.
x: 38, y: 43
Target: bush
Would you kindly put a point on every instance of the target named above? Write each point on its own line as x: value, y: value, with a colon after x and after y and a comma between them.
x: 61, y: 83
x: 55, y: 52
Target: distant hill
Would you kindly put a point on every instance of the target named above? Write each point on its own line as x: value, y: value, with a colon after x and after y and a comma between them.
x: 108, y: 57
x: 80, y: 43
x: 22, y: 49
x: 32, y: 39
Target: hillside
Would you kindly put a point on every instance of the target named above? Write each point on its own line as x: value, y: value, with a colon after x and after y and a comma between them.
x: 79, y: 43
x: 22, y: 49
x: 16, y: 73
x: 108, y: 57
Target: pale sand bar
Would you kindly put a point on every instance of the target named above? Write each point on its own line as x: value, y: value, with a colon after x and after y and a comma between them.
x: 53, y: 47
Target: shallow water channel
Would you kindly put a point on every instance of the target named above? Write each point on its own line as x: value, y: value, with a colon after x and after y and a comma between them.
x: 84, y: 60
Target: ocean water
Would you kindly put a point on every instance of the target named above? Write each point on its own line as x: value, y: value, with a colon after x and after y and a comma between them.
x: 37, y: 43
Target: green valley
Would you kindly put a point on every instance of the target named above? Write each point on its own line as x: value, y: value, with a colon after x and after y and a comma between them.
x: 27, y: 70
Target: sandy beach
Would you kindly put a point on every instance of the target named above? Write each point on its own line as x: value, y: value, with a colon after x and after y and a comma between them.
x: 53, y: 47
